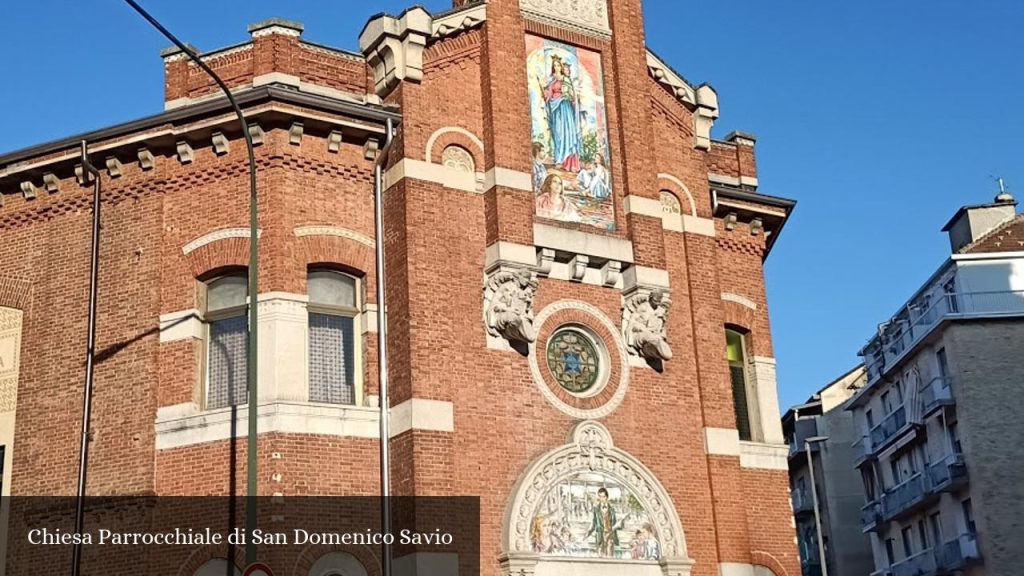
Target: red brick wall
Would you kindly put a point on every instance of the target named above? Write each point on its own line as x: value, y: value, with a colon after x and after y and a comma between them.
x: 265, y: 54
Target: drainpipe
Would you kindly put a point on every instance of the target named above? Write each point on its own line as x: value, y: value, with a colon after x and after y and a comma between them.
x: 382, y: 346
x: 252, y: 484
x: 90, y: 354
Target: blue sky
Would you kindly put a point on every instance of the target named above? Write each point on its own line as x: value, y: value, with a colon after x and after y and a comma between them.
x: 879, y: 117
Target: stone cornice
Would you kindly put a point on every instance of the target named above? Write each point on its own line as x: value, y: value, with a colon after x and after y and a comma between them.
x: 170, y: 126
x: 456, y: 21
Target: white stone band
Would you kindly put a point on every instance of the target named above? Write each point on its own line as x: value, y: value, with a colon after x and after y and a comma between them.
x: 721, y: 442
x: 186, y: 425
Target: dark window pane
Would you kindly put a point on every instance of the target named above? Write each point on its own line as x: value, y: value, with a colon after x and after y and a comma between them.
x: 739, y: 394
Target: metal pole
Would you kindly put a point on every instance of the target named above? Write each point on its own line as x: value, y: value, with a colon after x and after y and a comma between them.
x: 252, y: 484
x: 90, y: 356
x: 382, y: 348
x: 817, y: 509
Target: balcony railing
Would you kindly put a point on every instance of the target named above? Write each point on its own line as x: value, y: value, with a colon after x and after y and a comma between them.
x: 935, y: 394
x: 862, y: 450
x: 915, y: 321
x: 904, y: 496
x: 917, y: 565
x: 947, y: 473
x: 871, y: 516
x: 887, y: 429
x: 802, y: 502
x: 957, y: 554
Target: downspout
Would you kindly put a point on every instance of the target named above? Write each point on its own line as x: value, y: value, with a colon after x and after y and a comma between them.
x: 90, y: 355
x: 382, y: 347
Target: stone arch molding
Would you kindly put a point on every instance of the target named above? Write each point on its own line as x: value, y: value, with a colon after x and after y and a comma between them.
x: 477, y: 142
x: 591, y: 449
x: 680, y: 187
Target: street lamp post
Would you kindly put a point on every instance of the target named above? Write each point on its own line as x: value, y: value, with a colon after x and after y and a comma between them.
x: 252, y: 484
x: 814, y: 496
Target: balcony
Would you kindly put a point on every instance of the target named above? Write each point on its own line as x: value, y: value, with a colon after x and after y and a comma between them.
x: 935, y: 395
x: 949, y: 474
x: 888, y: 429
x: 802, y: 430
x: 957, y: 554
x: 862, y: 451
x: 915, y: 321
x: 905, y: 497
x: 918, y: 565
x: 802, y: 503
x: 871, y: 516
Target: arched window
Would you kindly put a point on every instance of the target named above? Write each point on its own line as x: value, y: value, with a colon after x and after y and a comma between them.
x: 227, y: 341
x: 333, y: 321
x: 736, y: 353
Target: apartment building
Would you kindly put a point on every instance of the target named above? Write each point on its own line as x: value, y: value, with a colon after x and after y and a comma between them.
x: 820, y: 434
x: 941, y: 443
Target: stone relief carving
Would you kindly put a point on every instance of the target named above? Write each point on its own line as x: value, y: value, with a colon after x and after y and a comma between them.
x: 588, y: 15
x: 458, y: 158
x: 670, y: 203
x: 508, y: 305
x: 592, y: 450
x: 644, y: 325
x: 10, y: 350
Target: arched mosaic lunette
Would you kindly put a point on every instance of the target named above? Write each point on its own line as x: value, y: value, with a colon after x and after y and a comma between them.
x: 591, y: 450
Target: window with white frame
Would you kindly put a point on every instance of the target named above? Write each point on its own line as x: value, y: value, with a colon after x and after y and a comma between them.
x: 226, y: 341
x: 333, y: 332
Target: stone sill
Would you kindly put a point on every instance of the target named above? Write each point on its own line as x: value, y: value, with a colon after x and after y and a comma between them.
x: 186, y: 425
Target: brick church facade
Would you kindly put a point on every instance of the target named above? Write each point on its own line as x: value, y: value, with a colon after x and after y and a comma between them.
x: 569, y: 255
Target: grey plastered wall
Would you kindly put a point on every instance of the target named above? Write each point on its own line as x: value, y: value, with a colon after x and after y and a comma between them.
x: 850, y: 547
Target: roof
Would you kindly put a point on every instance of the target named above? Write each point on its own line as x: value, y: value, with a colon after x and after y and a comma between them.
x: 1007, y: 237
x: 244, y: 97
x: 815, y: 400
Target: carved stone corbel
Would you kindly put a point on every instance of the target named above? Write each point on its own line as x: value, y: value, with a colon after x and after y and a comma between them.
x: 645, y: 324
x: 508, y: 305
x: 545, y: 260
x: 578, y: 267
x: 611, y: 273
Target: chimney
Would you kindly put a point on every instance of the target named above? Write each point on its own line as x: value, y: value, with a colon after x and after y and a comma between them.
x: 972, y: 222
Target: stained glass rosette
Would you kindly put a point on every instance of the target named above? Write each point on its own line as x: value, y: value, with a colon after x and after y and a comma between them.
x: 574, y: 361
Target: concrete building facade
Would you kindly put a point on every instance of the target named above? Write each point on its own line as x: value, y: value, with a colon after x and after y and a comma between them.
x: 569, y: 252
x: 821, y: 429
x: 939, y: 451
